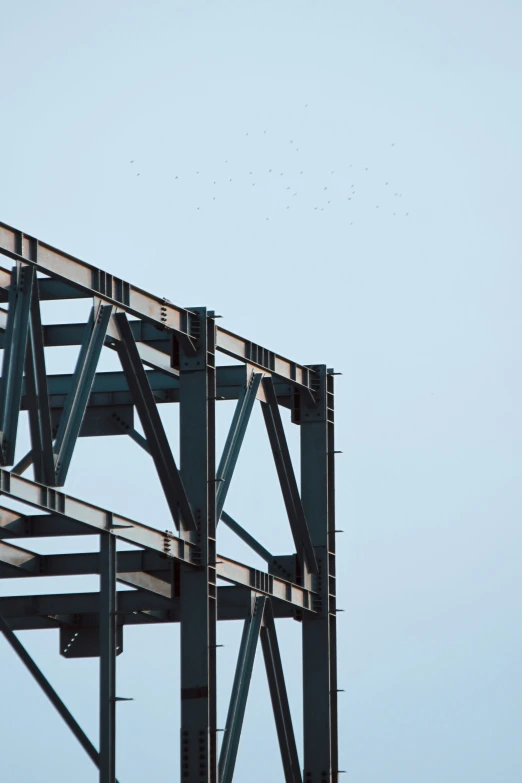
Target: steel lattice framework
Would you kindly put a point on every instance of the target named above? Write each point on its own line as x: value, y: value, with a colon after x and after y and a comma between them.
x: 167, y: 355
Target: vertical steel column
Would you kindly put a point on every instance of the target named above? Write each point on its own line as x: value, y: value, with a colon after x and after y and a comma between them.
x: 107, y: 658
x: 198, y: 594
x: 319, y: 636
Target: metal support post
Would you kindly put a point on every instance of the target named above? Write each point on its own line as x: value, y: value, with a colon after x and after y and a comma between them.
x: 239, y: 695
x: 198, y: 592
x: 279, y: 696
x: 107, y: 658
x: 319, y: 640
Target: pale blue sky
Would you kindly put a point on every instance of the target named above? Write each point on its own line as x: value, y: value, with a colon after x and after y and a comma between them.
x: 421, y: 312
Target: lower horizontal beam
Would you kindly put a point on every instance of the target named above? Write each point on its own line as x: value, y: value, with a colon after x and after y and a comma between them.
x: 111, y: 388
x: 38, y: 612
x: 98, y: 519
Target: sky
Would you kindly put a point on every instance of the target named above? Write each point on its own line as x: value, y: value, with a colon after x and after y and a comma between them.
x: 164, y: 142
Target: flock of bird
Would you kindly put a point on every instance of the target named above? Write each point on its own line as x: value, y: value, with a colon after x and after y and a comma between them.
x: 284, y: 190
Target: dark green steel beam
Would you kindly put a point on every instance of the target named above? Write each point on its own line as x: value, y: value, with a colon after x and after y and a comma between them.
x: 287, y: 480
x: 15, y: 346
x: 240, y: 688
x: 107, y: 705
x: 279, y: 697
x: 78, y: 397
x: 235, y: 438
x: 38, y: 400
x: 135, y: 607
x: 152, y: 424
x: 49, y: 691
x: 198, y: 589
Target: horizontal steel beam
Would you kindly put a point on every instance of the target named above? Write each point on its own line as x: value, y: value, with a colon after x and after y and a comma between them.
x: 111, y: 388
x: 16, y: 525
x: 135, y: 607
x: 154, y: 349
x: 48, y: 288
x: 21, y: 247
x: 18, y: 561
x: 100, y: 520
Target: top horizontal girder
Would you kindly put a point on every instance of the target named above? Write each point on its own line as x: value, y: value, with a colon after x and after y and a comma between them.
x: 82, y: 276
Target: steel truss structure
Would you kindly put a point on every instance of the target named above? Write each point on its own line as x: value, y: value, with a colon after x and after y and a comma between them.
x: 167, y: 355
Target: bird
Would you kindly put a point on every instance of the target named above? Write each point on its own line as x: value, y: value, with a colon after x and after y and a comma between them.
x: 300, y: 172
x: 291, y: 141
x: 269, y: 171
x: 306, y: 105
x: 325, y: 188
x: 132, y: 161
x: 213, y: 198
x: 197, y: 172
x: 385, y: 183
x: 230, y: 180
x: 295, y: 194
x: 297, y: 150
x: 250, y: 172
x: 281, y: 174
x: 288, y: 207
x: 176, y: 177
x: 393, y: 144
x: 253, y: 183
x: 214, y: 182
x: 246, y: 134
x: 288, y: 188
x: 264, y: 131
x: 407, y: 213
x: 197, y: 207
x: 366, y: 169
x: 331, y: 172
x: 376, y: 206
x: 328, y: 202
x: 266, y: 218
x: 137, y: 175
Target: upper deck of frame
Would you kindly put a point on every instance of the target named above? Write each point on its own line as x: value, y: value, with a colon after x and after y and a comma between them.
x: 79, y: 278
